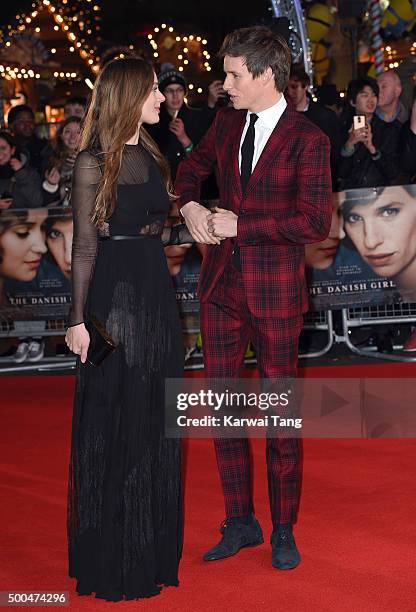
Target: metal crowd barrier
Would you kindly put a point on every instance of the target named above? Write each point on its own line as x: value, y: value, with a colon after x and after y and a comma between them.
x: 377, y: 315
x: 38, y: 329
x: 313, y: 321
x: 319, y: 320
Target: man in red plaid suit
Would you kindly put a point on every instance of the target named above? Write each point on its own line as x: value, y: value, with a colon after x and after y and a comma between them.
x: 275, y: 192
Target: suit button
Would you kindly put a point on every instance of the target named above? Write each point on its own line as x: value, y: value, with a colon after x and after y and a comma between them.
x: 242, y: 211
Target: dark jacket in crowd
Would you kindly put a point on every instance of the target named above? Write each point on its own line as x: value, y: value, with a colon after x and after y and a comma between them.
x: 327, y: 121
x: 408, y: 153
x: 196, y: 122
x: 361, y: 169
x: 23, y: 187
x: 35, y: 150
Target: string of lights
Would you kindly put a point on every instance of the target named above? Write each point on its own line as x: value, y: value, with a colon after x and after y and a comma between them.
x: 78, y: 19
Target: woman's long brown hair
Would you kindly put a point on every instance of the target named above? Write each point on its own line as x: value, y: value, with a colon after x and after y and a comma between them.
x: 112, y: 119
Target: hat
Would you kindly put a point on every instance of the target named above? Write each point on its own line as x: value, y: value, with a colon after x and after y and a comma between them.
x: 169, y: 76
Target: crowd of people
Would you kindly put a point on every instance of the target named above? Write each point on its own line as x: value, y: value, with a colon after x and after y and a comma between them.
x: 372, y: 136
x: 381, y: 151
x: 378, y: 152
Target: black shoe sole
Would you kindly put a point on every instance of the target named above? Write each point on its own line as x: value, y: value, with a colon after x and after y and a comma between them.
x: 234, y: 553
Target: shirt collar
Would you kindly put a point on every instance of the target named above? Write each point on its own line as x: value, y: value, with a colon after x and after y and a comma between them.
x: 380, y: 114
x: 270, y: 116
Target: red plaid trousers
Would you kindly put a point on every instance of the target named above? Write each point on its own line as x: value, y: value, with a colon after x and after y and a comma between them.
x: 226, y: 325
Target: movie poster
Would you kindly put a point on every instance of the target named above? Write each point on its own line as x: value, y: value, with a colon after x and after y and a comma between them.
x: 369, y: 257
x: 35, y: 264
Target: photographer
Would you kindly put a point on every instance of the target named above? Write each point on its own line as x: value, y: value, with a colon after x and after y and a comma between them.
x: 20, y: 185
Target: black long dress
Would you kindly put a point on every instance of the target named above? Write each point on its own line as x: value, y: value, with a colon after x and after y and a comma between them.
x: 125, y: 505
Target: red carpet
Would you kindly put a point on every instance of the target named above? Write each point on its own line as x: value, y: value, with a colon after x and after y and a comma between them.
x: 357, y: 531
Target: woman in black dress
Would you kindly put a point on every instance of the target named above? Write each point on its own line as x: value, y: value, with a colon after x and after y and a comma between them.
x: 125, y: 510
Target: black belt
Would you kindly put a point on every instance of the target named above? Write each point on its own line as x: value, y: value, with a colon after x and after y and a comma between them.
x: 128, y: 237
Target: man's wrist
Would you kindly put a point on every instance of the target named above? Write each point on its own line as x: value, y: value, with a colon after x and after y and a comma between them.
x: 185, y: 208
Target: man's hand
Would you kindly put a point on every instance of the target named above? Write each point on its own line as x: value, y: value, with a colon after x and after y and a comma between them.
x: 215, y: 91
x: 222, y: 223
x: 196, y: 218
x: 177, y: 127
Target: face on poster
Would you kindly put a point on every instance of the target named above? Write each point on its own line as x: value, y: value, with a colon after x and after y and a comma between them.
x: 382, y: 228
x: 59, y: 235
x: 370, y: 254
x: 321, y: 255
x: 35, y: 257
x: 22, y: 243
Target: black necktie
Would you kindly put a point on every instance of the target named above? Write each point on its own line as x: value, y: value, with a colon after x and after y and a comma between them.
x: 247, y: 152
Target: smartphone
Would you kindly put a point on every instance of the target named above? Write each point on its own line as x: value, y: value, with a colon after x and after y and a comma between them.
x: 359, y: 122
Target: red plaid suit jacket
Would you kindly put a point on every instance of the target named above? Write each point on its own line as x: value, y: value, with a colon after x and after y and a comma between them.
x: 287, y: 204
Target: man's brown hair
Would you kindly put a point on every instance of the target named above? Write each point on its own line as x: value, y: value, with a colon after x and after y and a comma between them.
x: 298, y: 73
x: 260, y: 47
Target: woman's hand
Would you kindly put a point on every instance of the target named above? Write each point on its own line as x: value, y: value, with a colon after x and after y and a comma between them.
x: 53, y: 176
x: 78, y: 340
x: 16, y: 164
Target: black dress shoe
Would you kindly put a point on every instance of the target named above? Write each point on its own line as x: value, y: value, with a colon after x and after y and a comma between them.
x: 285, y: 554
x: 235, y: 535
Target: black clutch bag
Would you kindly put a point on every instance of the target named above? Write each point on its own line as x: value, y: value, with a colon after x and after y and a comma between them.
x: 101, y: 343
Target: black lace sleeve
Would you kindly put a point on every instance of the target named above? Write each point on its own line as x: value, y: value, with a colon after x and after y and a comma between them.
x: 176, y: 234
x: 85, y: 179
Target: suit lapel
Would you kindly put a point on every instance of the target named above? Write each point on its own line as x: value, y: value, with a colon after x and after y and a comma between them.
x: 276, y: 141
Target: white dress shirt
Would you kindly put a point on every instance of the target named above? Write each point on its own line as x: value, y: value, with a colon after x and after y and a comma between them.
x: 264, y: 126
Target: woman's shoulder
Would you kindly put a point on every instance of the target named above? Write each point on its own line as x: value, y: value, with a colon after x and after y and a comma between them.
x: 88, y: 158
x: 87, y: 168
